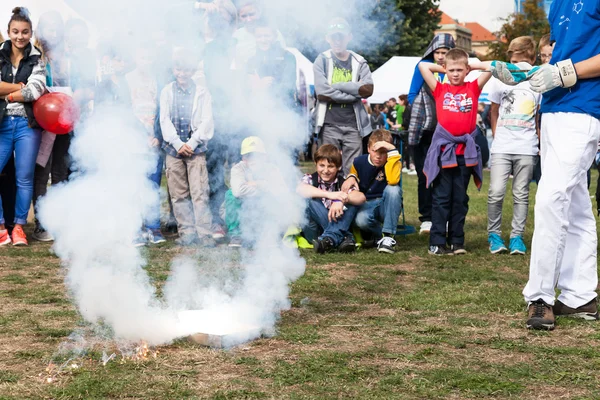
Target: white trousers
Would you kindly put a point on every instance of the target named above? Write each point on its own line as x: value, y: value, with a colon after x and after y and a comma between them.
x: 564, y: 247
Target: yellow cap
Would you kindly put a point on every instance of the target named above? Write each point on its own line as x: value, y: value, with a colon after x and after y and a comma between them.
x: 253, y: 144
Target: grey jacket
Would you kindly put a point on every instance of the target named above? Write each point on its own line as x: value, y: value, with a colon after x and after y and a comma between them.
x: 353, y: 92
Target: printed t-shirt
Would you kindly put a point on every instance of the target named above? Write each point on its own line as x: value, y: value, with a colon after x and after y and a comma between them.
x: 456, y: 108
x: 337, y: 113
x: 516, y: 127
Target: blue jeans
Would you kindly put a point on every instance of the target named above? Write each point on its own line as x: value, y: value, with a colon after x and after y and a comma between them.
x: 382, y: 214
x: 153, y: 219
x: 16, y: 136
x: 318, y: 220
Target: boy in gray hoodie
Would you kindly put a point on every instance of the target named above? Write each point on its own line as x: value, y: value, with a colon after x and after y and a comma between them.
x: 342, y: 80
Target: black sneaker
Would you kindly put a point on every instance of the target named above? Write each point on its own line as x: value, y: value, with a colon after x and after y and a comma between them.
x: 348, y: 245
x: 440, y: 251
x: 386, y: 244
x: 40, y: 234
x: 541, y: 316
x: 324, y: 245
x: 458, y: 249
x: 235, y: 241
x: 588, y: 311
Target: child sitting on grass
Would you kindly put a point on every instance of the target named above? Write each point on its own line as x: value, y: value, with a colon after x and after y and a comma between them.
x: 377, y: 175
x: 330, y: 210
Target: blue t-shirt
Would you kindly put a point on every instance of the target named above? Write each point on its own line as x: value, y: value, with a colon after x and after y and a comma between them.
x: 575, y: 26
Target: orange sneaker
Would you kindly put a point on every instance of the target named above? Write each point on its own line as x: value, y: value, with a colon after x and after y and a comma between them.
x: 4, y: 238
x: 18, y: 236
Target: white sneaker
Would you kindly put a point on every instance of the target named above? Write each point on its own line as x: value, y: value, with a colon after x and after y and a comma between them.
x: 386, y: 245
x: 412, y: 172
x: 405, y: 170
x: 425, y: 228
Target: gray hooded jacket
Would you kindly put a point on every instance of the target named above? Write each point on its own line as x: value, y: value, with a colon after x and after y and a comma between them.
x: 353, y: 92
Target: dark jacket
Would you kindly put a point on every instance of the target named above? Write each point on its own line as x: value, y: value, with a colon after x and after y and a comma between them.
x: 281, y: 66
x: 31, y: 60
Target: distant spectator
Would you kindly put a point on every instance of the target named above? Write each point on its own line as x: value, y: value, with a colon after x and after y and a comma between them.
x: 342, y: 80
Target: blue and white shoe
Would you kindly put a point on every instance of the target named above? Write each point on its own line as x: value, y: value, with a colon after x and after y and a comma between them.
x: 155, y: 237
x: 517, y: 246
x: 140, y: 240
x: 496, y: 244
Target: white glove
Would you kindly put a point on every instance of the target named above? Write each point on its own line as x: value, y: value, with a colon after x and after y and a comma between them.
x: 548, y: 77
x: 507, y: 73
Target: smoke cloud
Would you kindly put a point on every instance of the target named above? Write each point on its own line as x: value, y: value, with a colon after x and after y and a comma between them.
x: 95, y: 216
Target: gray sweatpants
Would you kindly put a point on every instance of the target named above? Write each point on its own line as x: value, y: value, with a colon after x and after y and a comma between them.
x: 521, y: 167
x: 345, y: 138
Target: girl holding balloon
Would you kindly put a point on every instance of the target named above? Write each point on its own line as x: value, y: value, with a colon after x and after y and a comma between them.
x: 23, y: 81
x: 52, y: 161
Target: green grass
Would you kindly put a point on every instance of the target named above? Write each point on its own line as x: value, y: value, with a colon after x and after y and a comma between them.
x: 361, y: 326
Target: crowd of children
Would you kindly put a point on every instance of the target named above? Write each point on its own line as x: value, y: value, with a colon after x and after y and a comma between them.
x: 351, y: 194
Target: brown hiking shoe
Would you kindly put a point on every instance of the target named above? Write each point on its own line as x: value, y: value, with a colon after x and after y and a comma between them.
x: 540, y: 316
x: 588, y: 311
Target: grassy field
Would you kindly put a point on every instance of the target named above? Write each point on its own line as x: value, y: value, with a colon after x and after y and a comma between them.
x: 362, y: 326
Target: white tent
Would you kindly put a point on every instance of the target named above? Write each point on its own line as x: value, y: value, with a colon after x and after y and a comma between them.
x: 303, y: 64
x: 395, y: 76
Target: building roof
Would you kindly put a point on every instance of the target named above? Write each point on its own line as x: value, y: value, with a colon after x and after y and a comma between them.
x: 480, y: 34
x: 445, y: 19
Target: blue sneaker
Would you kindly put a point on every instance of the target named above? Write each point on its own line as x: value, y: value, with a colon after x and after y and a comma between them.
x: 140, y: 240
x: 496, y: 244
x: 517, y: 246
x: 155, y: 237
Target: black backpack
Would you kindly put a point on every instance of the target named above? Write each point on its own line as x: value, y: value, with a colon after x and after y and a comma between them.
x: 338, y: 185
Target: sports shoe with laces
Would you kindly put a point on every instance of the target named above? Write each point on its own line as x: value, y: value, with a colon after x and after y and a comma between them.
x: 155, y: 236
x: 4, y: 237
x: 517, y: 246
x: 386, y: 244
x: 235, y: 241
x: 41, y: 235
x: 588, y: 311
x: 218, y: 232
x: 440, y: 251
x: 323, y: 245
x: 458, y: 249
x: 496, y: 243
x: 18, y: 236
x: 541, y: 316
x: 348, y: 245
x: 140, y: 240
x: 425, y: 228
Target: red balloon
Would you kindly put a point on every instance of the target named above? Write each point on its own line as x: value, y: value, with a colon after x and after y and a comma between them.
x: 56, y: 113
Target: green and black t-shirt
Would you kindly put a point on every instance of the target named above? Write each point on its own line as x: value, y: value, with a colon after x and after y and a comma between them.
x: 337, y: 113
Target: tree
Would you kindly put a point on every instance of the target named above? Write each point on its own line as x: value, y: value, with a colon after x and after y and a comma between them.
x: 402, y: 28
x: 531, y: 22
x: 381, y: 28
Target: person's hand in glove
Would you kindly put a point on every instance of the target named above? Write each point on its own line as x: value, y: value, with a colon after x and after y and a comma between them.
x: 548, y: 77
x: 507, y: 73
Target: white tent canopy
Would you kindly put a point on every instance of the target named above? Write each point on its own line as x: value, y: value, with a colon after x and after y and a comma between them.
x: 303, y: 64
x: 394, y: 77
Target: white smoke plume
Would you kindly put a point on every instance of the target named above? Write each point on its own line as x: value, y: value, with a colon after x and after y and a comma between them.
x: 95, y: 216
